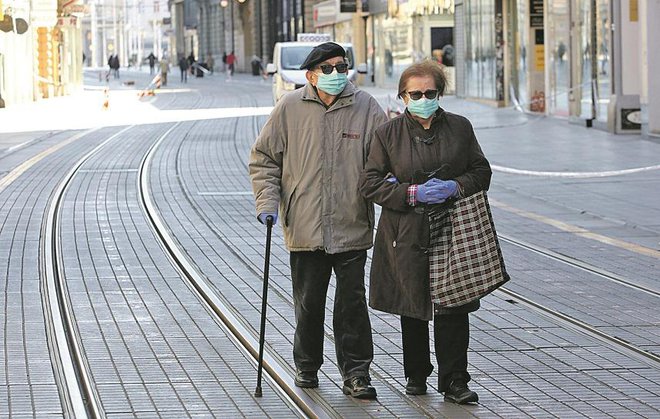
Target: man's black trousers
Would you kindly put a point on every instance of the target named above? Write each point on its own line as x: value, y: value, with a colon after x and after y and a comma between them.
x: 311, y: 272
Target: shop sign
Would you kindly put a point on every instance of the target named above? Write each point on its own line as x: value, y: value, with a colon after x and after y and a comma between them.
x: 67, y: 21
x: 377, y: 6
x: 81, y: 9
x: 539, y: 57
x: 44, y: 12
x: 324, y: 13
x: 633, y: 10
x: 536, y: 13
x: 327, y: 13
x: 347, y: 6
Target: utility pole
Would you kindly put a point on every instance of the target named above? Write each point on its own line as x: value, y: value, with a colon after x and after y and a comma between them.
x: 231, y: 7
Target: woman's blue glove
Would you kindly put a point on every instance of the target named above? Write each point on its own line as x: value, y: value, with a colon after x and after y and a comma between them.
x: 430, y: 192
x: 448, y: 189
x: 262, y: 217
x: 392, y: 179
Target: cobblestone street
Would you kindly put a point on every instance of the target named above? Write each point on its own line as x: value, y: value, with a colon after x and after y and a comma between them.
x: 134, y: 229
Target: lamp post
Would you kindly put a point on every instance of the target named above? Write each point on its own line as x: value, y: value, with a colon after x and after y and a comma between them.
x: 230, y: 3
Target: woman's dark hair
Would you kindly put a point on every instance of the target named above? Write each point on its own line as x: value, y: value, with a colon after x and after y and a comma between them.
x: 423, y: 69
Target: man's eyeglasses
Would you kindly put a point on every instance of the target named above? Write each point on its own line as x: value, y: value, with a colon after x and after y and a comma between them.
x: 416, y: 94
x: 327, y: 68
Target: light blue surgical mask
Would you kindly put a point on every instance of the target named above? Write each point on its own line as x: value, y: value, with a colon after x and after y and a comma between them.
x: 423, y: 107
x: 333, y: 83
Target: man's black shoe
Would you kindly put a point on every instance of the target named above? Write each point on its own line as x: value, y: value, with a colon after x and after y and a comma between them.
x: 359, y: 387
x: 416, y: 386
x: 307, y: 379
x: 459, y: 393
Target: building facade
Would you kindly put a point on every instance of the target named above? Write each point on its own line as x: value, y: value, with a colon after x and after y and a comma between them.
x: 564, y: 58
x: 40, y: 49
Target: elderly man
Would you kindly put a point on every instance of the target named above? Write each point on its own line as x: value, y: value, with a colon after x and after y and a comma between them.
x: 307, y: 161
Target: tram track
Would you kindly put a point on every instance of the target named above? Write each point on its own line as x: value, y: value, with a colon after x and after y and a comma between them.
x: 569, y: 321
x: 78, y: 394
x: 579, y: 264
x: 236, y: 328
x: 278, y: 369
x: 572, y: 321
x: 285, y: 372
x: 72, y: 372
x: 82, y: 400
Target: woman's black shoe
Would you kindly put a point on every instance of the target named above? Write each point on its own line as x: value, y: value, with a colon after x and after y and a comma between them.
x: 459, y: 393
x: 359, y: 387
x: 416, y: 386
x: 307, y: 379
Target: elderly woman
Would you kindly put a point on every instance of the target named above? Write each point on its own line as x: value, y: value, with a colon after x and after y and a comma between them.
x: 418, y: 162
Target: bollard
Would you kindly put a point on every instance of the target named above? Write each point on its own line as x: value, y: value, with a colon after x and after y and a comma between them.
x: 106, y: 99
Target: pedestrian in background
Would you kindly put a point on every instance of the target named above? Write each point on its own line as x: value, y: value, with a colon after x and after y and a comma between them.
x: 152, y: 62
x: 164, y: 69
x: 421, y: 159
x: 116, y: 65
x: 224, y: 61
x: 231, y: 62
x: 210, y: 62
x: 191, y: 61
x: 110, y: 67
x: 183, y: 66
x: 307, y: 161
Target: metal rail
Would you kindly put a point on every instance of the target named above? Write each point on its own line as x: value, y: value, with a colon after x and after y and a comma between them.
x: 242, y: 334
x: 576, y: 263
x: 274, y: 287
x: 583, y: 327
x: 573, y: 322
x: 72, y: 374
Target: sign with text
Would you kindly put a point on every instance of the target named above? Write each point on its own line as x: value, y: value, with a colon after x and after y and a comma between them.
x: 377, y: 6
x: 324, y: 13
x: 536, y: 13
x: 44, y: 12
x: 347, y: 6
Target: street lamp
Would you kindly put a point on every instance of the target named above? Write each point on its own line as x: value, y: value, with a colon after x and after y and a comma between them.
x: 224, y: 4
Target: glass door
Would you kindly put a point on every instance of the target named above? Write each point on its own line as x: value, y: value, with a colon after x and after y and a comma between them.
x: 558, y: 41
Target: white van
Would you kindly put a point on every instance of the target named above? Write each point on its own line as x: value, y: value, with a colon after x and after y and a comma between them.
x: 287, y: 59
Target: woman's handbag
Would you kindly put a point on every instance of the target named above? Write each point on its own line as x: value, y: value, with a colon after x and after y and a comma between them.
x: 465, y: 259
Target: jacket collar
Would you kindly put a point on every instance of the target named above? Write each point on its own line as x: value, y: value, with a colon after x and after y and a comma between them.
x: 346, y: 97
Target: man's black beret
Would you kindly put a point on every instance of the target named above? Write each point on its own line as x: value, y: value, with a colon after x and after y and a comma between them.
x: 321, y: 53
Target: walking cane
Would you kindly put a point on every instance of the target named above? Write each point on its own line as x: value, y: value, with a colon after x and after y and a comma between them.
x: 262, y: 333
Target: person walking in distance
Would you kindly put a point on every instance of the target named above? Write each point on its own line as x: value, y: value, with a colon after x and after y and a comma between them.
x: 210, y: 62
x: 152, y: 62
x: 115, y: 65
x: 164, y: 69
x: 306, y: 161
x: 110, y: 67
x: 191, y: 61
x: 183, y: 66
x: 231, y: 63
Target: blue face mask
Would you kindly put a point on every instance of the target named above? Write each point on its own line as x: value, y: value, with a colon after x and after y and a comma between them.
x: 333, y: 83
x: 423, y: 107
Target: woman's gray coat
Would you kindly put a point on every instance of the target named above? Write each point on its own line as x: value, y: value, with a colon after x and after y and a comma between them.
x: 399, y: 281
